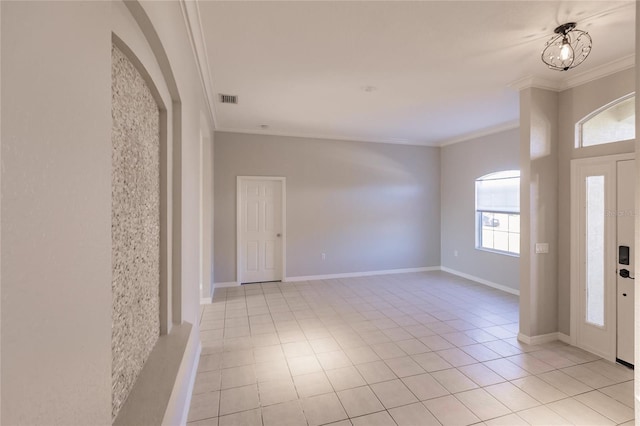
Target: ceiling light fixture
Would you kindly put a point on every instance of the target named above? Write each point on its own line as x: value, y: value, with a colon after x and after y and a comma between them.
x: 567, y: 49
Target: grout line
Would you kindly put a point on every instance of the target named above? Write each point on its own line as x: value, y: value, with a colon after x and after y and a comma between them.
x: 358, y: 302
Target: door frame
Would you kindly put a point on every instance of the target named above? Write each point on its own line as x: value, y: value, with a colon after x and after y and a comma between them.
x: 239, y: 254
x: 576, y: 166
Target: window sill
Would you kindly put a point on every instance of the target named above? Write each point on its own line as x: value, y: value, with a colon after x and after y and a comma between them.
x: 505, y: 253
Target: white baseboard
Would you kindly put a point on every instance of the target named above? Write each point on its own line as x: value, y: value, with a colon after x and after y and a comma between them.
x: 542, y: 338
x: 227, y: 284
x: 564, y: 338
x: 192, y: 382
x: 361, y: 274
x: 180, y: 400
x: 481, y: 281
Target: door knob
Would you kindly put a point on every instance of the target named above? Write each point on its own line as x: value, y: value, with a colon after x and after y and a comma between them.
x: 624, y: 273
x: 278, y: 235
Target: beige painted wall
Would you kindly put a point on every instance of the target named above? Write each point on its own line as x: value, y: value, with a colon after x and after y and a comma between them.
x: 56, y: 204
x: 575, y: 104
x: 207, y: 216
x: 56, y: 213
x: 462, y: 164
x: 538, y: 211
x: 368, y: 206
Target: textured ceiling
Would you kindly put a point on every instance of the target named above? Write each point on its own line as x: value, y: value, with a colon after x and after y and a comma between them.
x: 408, y: 72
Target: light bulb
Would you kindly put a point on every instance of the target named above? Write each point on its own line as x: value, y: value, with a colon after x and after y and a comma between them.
x: 566, y: 52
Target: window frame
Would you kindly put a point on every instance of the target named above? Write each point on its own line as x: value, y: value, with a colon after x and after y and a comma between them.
x: 479, y: 213
x: 579, y: 133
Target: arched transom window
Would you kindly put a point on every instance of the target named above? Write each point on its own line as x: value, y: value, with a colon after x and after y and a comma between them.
x: 614, y: 122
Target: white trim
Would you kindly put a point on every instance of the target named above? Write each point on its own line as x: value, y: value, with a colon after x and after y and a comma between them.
x: 601, y: 71
x: 483, y: 132
x: 205, y: 300
x: 535, y: 82
x: 201, y: 218
x: 192, y: 382
x: 177, y: 411
x: 574, y: 251
x: 576, y: 185
x: 481, y: 281
x: 193, y: 23
x: 361, y: 274
x: 540, y: 339
x: 326, y: 137
x: 226, y: 284
x: 466, y: 137
x: 575, y: 80
x: 564, y: 338
x: 283, y: 216
x: 579, y: 125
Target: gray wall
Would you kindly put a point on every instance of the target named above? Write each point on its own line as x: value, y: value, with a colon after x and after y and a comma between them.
x: 574, y: 105
x: 462, y: 164
x: 368, y: 206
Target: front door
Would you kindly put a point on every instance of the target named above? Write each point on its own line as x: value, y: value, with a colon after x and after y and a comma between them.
x: 260, y: 229
x: 602, y: 236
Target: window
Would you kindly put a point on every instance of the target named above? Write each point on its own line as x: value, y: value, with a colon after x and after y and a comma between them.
x: 614, y: 122
x: 498, y: 212
x: 595, y: 249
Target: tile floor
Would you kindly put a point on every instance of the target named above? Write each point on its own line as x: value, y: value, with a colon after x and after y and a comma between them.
x: 409, y: 349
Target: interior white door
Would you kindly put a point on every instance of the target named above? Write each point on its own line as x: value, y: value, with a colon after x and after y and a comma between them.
x: 260, y: 229
x: 595, y: 187
x: 625, y: 216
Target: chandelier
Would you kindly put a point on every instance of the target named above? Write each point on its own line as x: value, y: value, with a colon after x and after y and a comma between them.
x: 567, y: 49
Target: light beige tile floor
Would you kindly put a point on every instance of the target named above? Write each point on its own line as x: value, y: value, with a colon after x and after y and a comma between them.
x: 409, y: 349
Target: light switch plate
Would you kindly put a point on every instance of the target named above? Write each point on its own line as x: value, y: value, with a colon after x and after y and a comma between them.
x: 542, y: 248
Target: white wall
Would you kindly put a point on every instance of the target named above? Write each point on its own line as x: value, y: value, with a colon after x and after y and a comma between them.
x: 56, y: 195
x: 461, y: 165
x: 368, y: 206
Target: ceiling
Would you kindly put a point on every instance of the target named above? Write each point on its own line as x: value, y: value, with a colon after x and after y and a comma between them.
x: 420, y: 72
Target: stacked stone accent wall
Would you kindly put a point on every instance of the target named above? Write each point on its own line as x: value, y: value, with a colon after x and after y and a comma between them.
x: 135, y: 225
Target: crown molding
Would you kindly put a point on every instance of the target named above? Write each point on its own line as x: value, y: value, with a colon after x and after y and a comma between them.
x: 578, y: 79
x: 601, y: 71
x: 483, y: 132
x: 325, y: 136
x: 535, y: 82
x: 193, y: 24
x: 469, y: 136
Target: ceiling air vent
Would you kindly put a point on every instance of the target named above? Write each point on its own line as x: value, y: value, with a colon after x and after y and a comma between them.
x: 228, y: 99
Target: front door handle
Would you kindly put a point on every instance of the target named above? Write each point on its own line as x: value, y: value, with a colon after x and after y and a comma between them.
x: 624, y: 273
